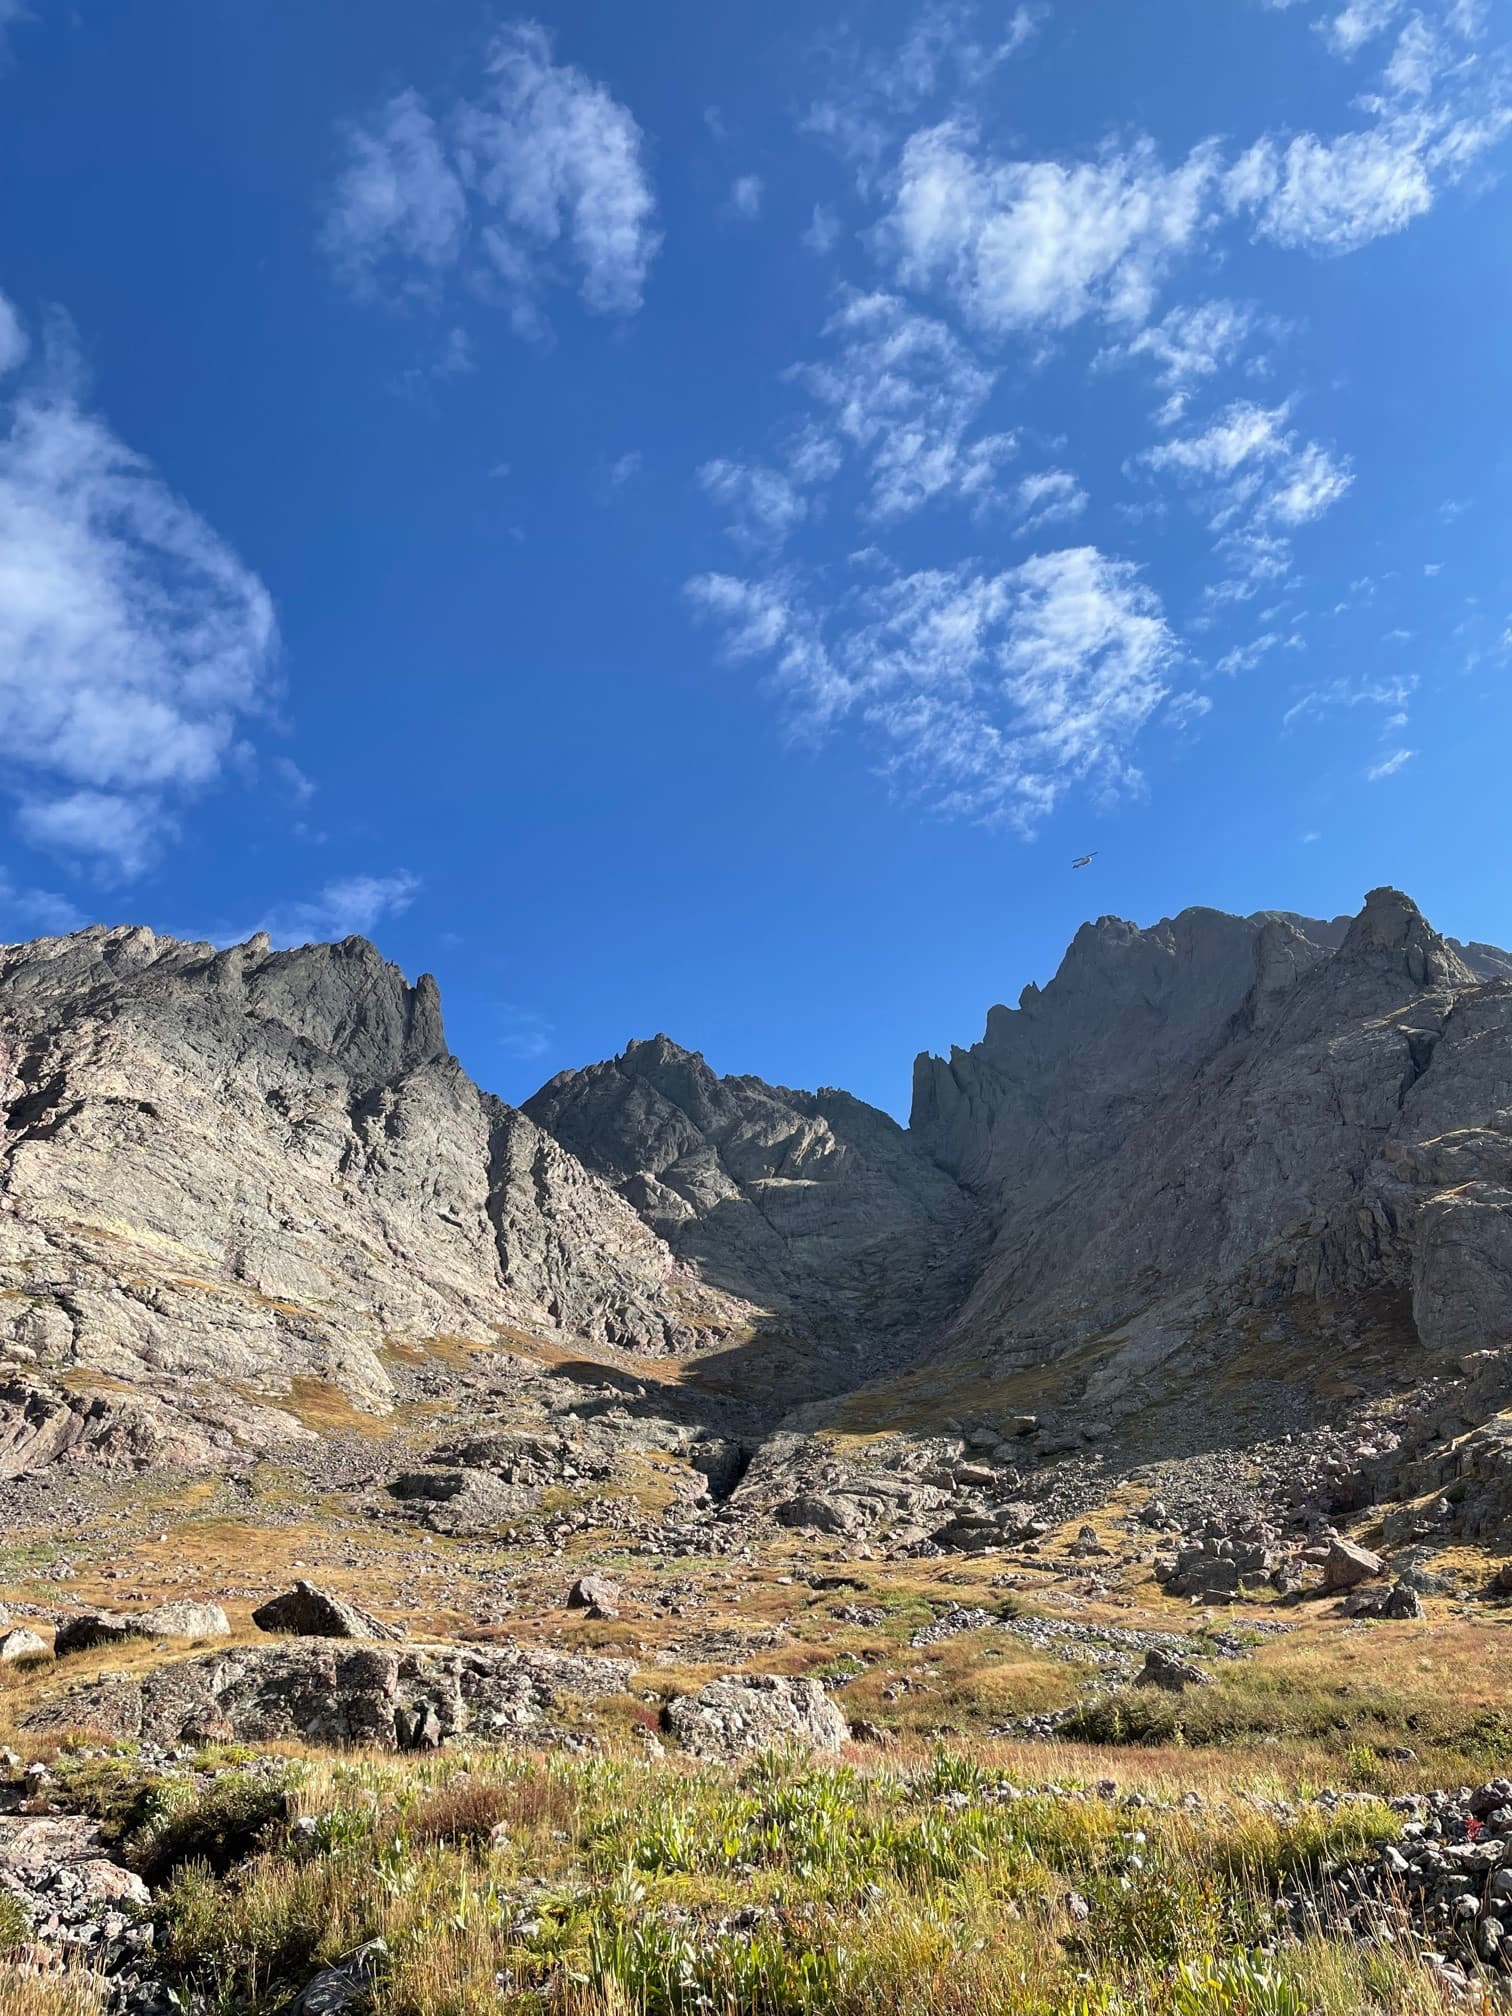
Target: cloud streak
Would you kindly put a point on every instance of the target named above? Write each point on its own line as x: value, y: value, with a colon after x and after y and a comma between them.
x: 536, y: 181
x: 134, y: 643
x: 985, y: 695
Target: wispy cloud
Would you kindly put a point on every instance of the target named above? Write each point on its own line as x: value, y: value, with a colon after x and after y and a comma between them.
x: 765, y: 506
x: 1187, y: 347
x: 352, y: 906
x: 987, y: 695
x: 616, y: 475
x: 1258, y: 482
x: 36, y: 910
x: 524, y: 1034
x: 949, y: 51
x: 823, y: 232
x: 745, y: 199
x: 1039, y: 244
x: 1389, y: 765
x: 1350, y: 692
x: 1336, y: 195
x: 903, y: 393
x: 1348, y: 31
x: 538, y: 180
x: 133, y: 642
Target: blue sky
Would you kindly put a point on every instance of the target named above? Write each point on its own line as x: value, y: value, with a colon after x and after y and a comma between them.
x: 690, y: 517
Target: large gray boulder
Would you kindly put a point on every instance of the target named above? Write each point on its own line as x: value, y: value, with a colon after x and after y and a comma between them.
x: 326, y: 1691
x: 756, y: 1711
x: 308, y: 1612
x: 1346, y: 1565
x: 180, y: 1619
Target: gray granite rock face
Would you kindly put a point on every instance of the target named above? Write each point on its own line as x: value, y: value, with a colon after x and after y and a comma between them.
x: 812, y: 1206
x: 1237, y: 1109
x: 224, y: 1172
x: 756, y: 1711
x: 231, y: 1169
x: 332, y: 1691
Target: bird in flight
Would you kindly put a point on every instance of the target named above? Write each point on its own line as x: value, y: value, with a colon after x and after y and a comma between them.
x: 1084, y: 860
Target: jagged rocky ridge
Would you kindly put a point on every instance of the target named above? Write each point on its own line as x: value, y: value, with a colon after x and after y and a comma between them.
x: 223, y: 1171
x: 1240, y: 1108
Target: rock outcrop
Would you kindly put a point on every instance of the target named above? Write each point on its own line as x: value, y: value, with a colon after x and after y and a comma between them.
x: 1223, y: 1112
x: 816, y: 1208
x: 326, y: 1691
x: 227, y: 1177
x: 226, y: 1170
x: 756, y: 1711
x: 308, y: 1612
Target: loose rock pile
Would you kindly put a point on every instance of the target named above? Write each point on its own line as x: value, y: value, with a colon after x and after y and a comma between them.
x: 1448, y: 1876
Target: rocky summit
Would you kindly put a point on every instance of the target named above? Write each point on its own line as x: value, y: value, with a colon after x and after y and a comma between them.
x: 791, y: 1477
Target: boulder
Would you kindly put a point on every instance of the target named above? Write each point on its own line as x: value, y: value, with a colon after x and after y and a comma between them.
x: 349, y: 1985
x: 182, y: 1619
x: 1170, y: 1671
x: 89, y: 1628
x: 19, y: 1643
x: 596, y: 1594
x: 308, y: 1612
x: 375, y: 1696
x: 185, y: 1619
x: 1400, y: 1600
x: 1346, y: 1565
x: 823, y: 1512
x: 755, y: 1711
x: 464, y: 1502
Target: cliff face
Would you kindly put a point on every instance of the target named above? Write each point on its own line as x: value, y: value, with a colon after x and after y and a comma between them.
x: 223, y: 1171
x: 816, y: 1208
x: 1236, y: 1109
x: 247, y: 1166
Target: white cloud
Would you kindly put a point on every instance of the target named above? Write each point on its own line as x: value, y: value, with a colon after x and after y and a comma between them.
x: 133, y: 641
x: 1022, y: 245
x: 15, y: 345
x: 1048, y: 497
x: 525, y: 1033
x: 556, y: 161
x: 537, y: 179
x: 823, y: 232
x: 1186, y: 348
x: 746, y: 194
x: 903, y: 392
x: 765, y: 506
x: 398, y: 213
x: 37, y: 909
x: 623, y: 469
x: 121, y: 836
x: 1345, y: 692
x: 1254, y: 472
x: 1336, y: 195
x: 1415, y: 62
x: 351, y: 907
x: 1245, y: 657
x: 990, y: 695
x: 299, y: 787
x: 1389, y: 765
x: 944, y: 52
x: 1347, y: 32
